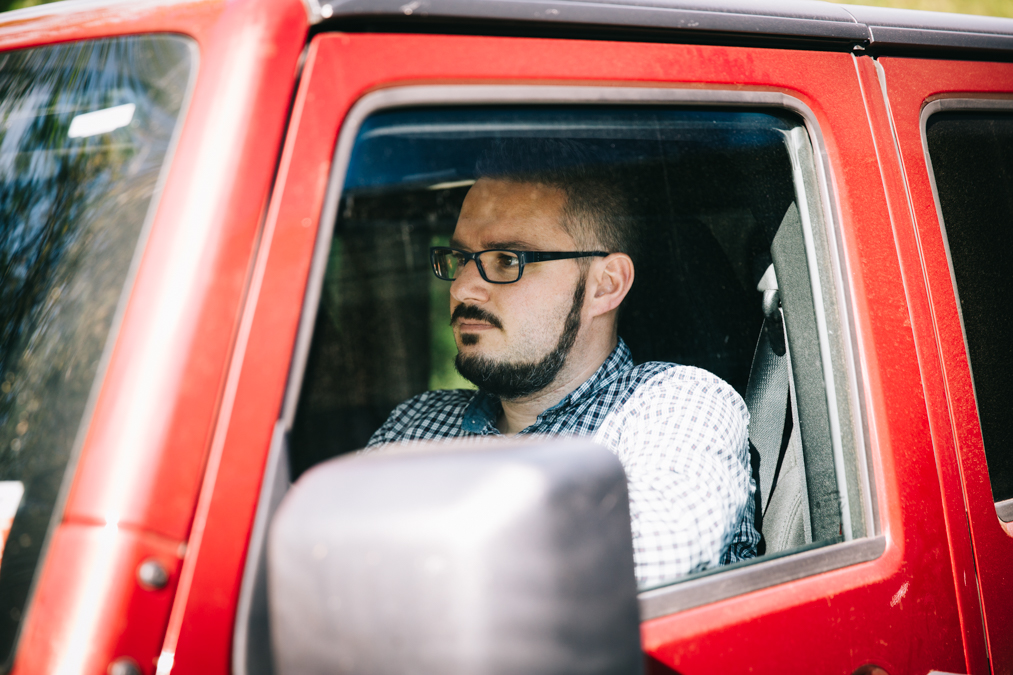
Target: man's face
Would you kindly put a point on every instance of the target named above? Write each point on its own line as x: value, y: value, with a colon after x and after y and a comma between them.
x: 514, y: 338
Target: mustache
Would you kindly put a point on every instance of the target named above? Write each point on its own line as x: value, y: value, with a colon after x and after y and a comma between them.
x: 463, y: 311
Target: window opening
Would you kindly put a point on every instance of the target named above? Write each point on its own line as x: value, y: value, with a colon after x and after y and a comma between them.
x: 715, y: 198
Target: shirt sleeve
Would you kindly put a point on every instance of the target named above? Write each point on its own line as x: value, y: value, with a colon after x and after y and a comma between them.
x: 388, y: 430
x: 682, y: 438
x: 431, y: 415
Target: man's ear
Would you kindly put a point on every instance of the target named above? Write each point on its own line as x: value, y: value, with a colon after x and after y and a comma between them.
x: 609, y: 280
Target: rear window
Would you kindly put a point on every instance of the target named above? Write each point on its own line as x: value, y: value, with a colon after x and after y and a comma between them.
x: 84, y: 132
x: 972, y: 163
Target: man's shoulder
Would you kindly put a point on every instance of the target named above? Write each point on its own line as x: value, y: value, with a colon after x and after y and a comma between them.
x: 431, y: 414
x: 672, y: 401
x: 660, y: 381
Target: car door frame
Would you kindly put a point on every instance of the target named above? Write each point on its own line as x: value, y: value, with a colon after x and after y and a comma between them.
x: 865, y: 595
x: 914, y: 90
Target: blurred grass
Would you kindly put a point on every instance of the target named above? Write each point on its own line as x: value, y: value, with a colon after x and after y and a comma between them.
x: 986, y: 7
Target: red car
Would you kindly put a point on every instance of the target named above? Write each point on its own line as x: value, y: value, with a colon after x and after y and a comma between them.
x: 215, y: 220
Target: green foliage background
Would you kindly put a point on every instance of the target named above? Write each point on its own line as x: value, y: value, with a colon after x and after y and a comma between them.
x: 988, y: 7
x: 19, y: 4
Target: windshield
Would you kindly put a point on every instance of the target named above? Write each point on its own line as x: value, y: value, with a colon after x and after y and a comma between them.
x: 84, y: 131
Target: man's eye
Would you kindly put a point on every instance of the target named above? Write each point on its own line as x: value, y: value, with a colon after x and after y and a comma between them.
x: 506, y: 261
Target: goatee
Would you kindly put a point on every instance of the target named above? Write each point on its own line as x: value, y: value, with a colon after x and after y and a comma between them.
x: 517, y: 380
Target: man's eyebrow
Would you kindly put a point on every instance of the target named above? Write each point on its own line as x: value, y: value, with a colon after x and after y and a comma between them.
x: 511, y: 245
x: 515, y: 245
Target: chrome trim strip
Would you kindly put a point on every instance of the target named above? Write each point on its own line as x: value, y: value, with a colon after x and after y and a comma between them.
x: 1004, y: 510
x: 694, y: 592
x: 761, y: 574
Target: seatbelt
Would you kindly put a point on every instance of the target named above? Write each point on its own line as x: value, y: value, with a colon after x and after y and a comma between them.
x: 768, y: 388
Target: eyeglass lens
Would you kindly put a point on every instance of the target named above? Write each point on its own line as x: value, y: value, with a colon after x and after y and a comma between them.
x: 499, y: 266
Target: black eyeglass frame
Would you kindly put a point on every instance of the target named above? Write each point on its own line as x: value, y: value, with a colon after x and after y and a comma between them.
x: 523, y: 257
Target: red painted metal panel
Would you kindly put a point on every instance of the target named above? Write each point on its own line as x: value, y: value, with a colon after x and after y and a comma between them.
x: 143, y: 459
x: 912, y: 83
x: 90, y: 609
x: 899, y: 611
x: 961, y: 554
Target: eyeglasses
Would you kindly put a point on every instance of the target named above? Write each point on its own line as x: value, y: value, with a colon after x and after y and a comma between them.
x: 497, y: 266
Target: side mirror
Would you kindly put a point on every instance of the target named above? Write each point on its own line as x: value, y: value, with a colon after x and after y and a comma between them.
x: 469, y: 559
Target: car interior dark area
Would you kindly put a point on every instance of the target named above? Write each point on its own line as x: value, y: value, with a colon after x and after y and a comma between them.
x: 972, y: 165
x: 708, y: 190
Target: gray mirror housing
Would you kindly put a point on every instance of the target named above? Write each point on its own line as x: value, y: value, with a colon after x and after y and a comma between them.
x: 447, y: 559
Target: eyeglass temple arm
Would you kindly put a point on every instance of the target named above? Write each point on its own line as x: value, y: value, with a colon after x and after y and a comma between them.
x: 543, y: 256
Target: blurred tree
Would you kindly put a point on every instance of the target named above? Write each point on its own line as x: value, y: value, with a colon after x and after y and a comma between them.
x: 18, y: 4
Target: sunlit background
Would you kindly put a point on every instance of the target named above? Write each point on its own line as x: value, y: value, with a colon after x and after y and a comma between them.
x: 988, y: 7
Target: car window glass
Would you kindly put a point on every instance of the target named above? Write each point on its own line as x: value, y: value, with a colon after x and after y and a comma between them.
x: 972, y: 164
x: 84, y: 131
x: 720, y: 212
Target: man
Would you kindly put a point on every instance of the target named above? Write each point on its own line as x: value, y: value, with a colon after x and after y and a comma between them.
x: 539, y: 268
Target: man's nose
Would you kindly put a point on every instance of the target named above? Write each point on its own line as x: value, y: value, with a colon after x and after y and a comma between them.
x: 469, y: 285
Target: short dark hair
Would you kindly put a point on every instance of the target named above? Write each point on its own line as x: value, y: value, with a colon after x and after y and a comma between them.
x: 597, y: 214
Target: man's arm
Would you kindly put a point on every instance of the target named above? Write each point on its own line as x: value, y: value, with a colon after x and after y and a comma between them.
x: 682, y: 438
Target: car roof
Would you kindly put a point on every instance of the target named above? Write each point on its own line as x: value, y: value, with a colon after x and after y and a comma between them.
x: 805, y: 23
x: 810, y: 21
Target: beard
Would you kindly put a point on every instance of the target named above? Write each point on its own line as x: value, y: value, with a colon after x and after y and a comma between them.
x: 517, y: 380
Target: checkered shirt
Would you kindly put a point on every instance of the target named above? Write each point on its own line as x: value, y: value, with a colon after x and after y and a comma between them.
x: 680, y: 433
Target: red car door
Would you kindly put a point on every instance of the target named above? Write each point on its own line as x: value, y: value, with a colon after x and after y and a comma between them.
x: 948, y: 119
x: 885, y: 598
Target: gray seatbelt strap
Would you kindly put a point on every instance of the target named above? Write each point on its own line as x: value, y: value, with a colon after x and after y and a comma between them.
x: 795, y: 446
x: 767, y: 389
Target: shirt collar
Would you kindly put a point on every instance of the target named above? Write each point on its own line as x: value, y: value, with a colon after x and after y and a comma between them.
x: 481, y: 414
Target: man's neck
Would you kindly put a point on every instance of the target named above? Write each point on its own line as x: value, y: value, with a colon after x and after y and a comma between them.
x: 519, y: 414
